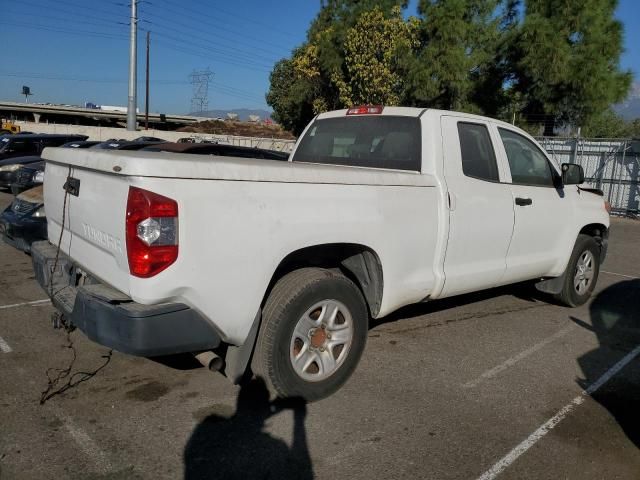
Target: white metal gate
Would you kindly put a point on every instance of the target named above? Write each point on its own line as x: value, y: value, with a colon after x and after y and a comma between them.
x: 612, y: 165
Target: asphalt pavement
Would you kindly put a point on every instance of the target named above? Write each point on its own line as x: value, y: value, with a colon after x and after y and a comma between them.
x: 497, y: 384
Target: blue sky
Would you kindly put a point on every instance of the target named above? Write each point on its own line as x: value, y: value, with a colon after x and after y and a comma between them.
x: 73, y: 51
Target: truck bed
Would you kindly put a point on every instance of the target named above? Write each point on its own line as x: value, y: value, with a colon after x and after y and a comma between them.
x: 238, y: 219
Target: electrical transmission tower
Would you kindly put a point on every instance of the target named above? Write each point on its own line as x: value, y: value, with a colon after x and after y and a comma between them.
x: 200, y: 81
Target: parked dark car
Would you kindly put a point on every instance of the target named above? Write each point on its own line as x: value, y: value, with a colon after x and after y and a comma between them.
x: 124, y: 145
x: 83, y: 144
x: 32, y: 174
x: 149, y: 139
x: 28, y: 176
x: 33, y: 144
x: 24, y: 221
x: 219, y: 149
x: 9, y: 168
x: 16, y: 151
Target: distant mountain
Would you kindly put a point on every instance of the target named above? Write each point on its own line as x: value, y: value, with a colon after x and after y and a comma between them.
x: 243, y: 113
x: 630, y: 108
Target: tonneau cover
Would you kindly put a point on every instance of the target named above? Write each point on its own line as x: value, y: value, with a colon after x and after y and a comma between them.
x: 207, y: 167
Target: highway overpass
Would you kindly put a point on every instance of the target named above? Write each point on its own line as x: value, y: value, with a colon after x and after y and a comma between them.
x: 41, y: 113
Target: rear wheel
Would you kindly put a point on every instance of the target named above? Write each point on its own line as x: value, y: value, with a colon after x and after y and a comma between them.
x: 314, y: 329
x: 582, y: 272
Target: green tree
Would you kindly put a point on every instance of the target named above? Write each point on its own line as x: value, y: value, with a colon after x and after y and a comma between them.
x: 290, y: 96
x: 370, y: 73
x: 350, y: 56
x: 607, y: 124
x: 545, y: 61
x: 457, y: 55
x: 566, y: 60
x: 634, y: 128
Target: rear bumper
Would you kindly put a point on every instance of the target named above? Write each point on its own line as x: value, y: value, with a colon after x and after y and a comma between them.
x: 112, y: 319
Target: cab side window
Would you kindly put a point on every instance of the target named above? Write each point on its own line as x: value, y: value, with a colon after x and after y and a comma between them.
x: 528, y: 164
x: 20, y: 146
x: 478, y: 156
x: 51, y: 142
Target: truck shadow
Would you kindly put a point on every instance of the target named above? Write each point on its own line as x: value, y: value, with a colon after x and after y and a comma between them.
x: 237, y: 447
x: 615, y: 320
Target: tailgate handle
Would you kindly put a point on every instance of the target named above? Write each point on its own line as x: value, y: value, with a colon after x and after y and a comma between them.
x: 72, y: 186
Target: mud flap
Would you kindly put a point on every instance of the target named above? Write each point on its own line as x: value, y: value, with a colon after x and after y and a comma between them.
x: 552, y: 285
x: 238, y: 357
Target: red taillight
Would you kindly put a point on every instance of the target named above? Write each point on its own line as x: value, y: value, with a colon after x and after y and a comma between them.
x: 152, y: 232
x: 607, y: 207
x: 365, y: 110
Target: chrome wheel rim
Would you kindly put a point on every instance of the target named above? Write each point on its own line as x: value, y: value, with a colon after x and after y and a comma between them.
x: 321, y: 340
x: 585, y: 268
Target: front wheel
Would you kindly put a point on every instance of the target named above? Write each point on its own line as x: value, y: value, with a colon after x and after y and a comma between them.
x: 313, y: 332
x: 582, y: 272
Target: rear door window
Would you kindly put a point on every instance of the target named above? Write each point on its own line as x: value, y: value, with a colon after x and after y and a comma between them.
x: 478, y: 156
x: 369, y: 141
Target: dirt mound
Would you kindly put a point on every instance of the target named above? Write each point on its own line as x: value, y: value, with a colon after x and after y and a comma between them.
x: 242, y: 129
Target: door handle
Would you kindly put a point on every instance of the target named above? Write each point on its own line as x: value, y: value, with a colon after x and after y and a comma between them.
x: 523, y: 202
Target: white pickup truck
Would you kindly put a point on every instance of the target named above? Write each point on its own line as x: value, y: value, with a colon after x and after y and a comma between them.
x: 276, y: 267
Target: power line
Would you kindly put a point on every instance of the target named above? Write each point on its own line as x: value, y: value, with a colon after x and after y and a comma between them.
x: 200, y: 81
x: 169, y: 45
x: 227, y: 89
x: 228, y: 58
x: 42, y: 11
x: 179, y: 48
x: 245, y: 19
x: 92, y: 8
x: 213, y: 33
x: 37, y: 26
x: 200, y: 18
x: 209, y: 38
x: 75, y: 78
x: 98, y: 22
x: 233, y: 58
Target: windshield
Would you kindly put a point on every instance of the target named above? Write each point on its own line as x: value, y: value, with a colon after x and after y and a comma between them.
x: 367, y: 141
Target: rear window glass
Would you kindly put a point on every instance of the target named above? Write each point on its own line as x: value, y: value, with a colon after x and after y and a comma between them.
x: 478, y: 157
x: 367, y: 141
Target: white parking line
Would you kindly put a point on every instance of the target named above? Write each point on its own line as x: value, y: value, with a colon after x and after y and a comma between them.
x: 35, y: 302
x: 532, y: 439
x: 516, y: 358
x: 88, y: 446
x: 84, y: 442
x: 620, y: 275
x: 4, y: 346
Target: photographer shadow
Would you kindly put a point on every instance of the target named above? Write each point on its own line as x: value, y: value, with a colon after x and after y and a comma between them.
x: 238, y: 447
x: 615, y: 320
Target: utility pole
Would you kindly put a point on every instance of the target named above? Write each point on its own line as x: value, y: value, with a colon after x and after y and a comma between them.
x: 132, y: 109
x: 146, y: 96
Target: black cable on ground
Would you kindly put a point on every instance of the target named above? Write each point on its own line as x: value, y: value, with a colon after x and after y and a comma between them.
x: 56, y: 376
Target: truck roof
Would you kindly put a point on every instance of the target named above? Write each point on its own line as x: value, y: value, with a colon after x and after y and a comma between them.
x: 412, y: 112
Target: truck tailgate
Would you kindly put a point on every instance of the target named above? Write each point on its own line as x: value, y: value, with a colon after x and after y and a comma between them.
x: 94, y: 219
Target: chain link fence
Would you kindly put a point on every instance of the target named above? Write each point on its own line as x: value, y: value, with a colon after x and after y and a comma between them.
x: 612, y: 165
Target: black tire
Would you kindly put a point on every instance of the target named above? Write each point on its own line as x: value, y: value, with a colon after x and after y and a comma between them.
x: 569, y: 295
x: 293, y: 296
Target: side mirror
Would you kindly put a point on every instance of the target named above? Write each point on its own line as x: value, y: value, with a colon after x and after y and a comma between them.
x: 572, y: 174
